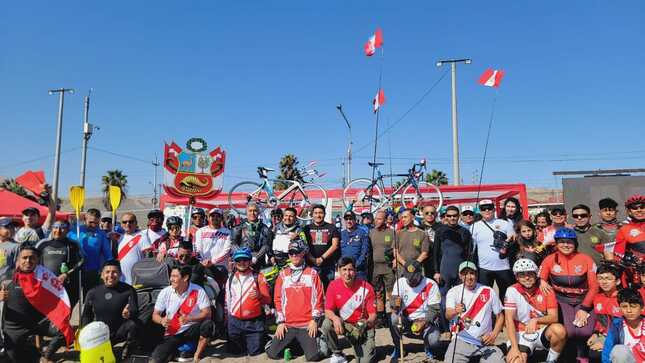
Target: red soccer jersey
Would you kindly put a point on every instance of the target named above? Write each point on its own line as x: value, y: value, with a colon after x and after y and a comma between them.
x: 606, y: 308
x: 352, y: 304
x: 631, y: 237
x: 528, y: 304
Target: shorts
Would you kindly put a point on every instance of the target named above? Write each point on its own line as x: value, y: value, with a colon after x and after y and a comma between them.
x: 529, y: 343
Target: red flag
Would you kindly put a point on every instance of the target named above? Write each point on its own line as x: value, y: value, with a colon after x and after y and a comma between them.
x: 375, y: 41
x: 45, y: 293
x: 379, y: 100
x: 491, y: 77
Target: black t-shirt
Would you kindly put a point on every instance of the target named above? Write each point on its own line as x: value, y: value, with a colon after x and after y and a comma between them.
x: 107, y: 303
x: 319, y: 241
x: 18, y: 312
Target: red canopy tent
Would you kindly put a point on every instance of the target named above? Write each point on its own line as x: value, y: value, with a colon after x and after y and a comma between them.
x: 12, y: 205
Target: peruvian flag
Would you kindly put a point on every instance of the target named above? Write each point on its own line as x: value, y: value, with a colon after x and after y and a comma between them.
x: 375, y: 41
x: 379, y: 100
x: 47, y: 295
x: 491, y: 77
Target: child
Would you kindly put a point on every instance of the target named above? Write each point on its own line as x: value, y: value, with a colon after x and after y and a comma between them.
x: 626, y: 337
x: 641, y: 273
x: 606, y: 307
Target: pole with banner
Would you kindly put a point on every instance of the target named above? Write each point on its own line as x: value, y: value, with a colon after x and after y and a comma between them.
x: 77, y: 199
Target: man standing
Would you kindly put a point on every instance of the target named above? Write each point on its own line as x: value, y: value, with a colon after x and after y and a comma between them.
x: 106, y: 225
x: 133, y: 246
x: 8, y: 248
x: 213, y: 245
x: 591, y: 241
x: 114, y: 303
x: 299, y: 305
x: 255, y: 235
x: 453, y: 244
x: 32, y: 231
x: 323, y: 240
x: 473, y: 306
x: 413, y: 243
x: 382, y: 277
x: 350, y: 310
x: 491, y: 236
x: 431, y: 227
x: 355, y: 244
x: 155, y: 232
x: 63, y: 257
x: 95, y: 246
x: 467, y: 216
x: 608, y: 222
x: 184, y: 310
x: 285, y: 231
x: 197, y: 221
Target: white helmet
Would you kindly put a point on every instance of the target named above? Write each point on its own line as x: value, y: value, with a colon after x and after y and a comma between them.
x: 524, y: 265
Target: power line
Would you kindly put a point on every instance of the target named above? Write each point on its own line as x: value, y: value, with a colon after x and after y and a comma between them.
x: 122, y: 156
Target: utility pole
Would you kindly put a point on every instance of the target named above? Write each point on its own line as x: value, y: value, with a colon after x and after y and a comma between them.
x: 155, y: 200
x: 88, y: 128
x: 349, y: 148
x: 455, y: 131
x: 59, y: 134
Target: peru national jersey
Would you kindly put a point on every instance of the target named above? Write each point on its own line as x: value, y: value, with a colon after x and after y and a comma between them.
x: 528, y: 304
x: 352, y: 304
x: 131, y: 250
x: 213, y: 244
x: 481, y: 303
x: 417, y: 300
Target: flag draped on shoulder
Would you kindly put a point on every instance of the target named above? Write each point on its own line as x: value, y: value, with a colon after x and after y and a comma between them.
x: 47, y: 295
x: 379, y: 100
x: 491, y: 77
x: 374, y: 42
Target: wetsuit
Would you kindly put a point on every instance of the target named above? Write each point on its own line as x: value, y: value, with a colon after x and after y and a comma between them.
x: 106, y: 304
x: 96, y: 248
x: 56, y: 252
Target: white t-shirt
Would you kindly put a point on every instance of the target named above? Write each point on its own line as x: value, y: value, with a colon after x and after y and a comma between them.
x: 483, y: 238
x: 169, y: 301
x: 213, y: 244
x: 130, y: 251
x: 482, y: 321
x: 416, y: 300
x: 154, y: 236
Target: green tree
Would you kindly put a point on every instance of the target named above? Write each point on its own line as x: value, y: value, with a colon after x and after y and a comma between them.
x: 437, y: 177
x: 288, y: 171
x: 116, y: 178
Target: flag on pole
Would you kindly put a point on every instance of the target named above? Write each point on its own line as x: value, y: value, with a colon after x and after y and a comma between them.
x: 375, y: 41
x: 379, y: 100
x: 491, y: 77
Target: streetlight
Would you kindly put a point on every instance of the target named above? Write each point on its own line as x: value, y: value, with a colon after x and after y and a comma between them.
x: 349, y: 148
x: 59, y: 133
x: 455, y: 132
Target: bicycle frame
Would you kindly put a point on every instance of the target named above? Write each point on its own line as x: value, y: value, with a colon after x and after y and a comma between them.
x: 266, y: 186
x: 411, y: 180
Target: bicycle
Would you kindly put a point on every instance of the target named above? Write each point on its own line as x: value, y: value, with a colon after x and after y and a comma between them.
x: 302, y: 196
x: 364, y: 194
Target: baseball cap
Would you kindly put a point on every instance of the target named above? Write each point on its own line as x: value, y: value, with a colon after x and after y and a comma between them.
x: 215, y: 210
x: 486, y: 202
x: 6, y: 222
x: 60, y: 224
x: 467, y: 264
x: 349, y: 213
x: 412, y: 268
x: 297, y: 245
x: 155, y: 213
x: 559, y: 209
x: 30, y: 211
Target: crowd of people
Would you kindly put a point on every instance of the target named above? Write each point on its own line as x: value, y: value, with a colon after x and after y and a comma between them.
x: 453, y: 278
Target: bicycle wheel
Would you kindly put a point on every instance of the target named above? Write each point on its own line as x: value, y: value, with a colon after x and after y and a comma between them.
x: 303, y: 202
x: 413, y: 197
x: 245, y: 192
x: 362, y: 195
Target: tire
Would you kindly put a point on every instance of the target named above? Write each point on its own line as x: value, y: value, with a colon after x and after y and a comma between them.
x: 410, y: 197
x: 254, y: 193
x: 361, y: 194
x: 303, y: 202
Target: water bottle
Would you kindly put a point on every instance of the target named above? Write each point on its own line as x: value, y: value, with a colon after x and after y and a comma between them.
x: 287, y: 354
x: 64, y: 268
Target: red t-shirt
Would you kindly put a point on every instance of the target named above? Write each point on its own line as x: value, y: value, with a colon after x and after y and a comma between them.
x: 606, y: 308
x: 352, y: 304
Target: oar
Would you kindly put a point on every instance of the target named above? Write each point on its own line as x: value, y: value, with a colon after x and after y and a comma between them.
x: 77, y: 198
x: 114, y: 193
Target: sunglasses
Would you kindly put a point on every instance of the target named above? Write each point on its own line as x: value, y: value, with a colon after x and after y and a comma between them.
x: 348, y: 218
x: 580, y: 216
x: 294, y: 252
x: 128, y: 221
x: 636, y: 206
x: 486, y: 208
x: 470, y: 214
x: 197, y: 216
x: 430, y: 213
x: 558, y: 214
x: 452, y: 215
x: 243, y: 260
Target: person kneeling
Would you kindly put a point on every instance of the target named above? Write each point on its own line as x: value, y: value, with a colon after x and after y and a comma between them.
x: 114, y: 303
x: 354, y: 301
x: 626, y: 337
x: 531, y: 316
x: 416, y: 308
x: 184, y: 310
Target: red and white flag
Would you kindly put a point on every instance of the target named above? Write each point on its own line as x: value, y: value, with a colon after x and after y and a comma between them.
x: 379, y: 100
x: 47, y: 295
x: 491, y: 77
x: 375, y: 41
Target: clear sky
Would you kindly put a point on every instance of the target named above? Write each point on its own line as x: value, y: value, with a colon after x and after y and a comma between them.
x: 263, y: 78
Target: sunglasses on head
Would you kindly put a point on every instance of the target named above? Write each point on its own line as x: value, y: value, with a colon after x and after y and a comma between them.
x: 580, y: 216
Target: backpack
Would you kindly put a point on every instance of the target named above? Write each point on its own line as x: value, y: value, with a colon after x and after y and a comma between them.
x: 150, y: 273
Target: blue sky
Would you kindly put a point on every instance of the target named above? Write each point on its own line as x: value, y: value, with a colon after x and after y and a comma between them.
x: 263, y: 78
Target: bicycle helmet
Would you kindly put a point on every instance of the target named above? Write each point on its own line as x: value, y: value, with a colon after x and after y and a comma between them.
x: 524, y: 265
x: 635, y: 199
x: 565, y: 233
x: 242, y: 253
x: 155, y: 213
x: 173, y: 221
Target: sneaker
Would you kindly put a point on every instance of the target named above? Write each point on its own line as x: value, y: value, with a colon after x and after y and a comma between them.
x: 338, y: 358
x: 394, y: 357
x: 185, y: 357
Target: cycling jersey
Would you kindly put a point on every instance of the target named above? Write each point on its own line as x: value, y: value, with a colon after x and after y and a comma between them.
x: 106, y: 304
x: 132, y: 248
x: 167, y: 246
x: 573, y: 277
x: 606, y: 308
x: 351, y: 303
x: 95, y: 246
x: 213, y: 244
x: 416, y: 301
x: 631, y: 238
x: 246, y: 294
x: 298, y: 296
x: 528, y: 304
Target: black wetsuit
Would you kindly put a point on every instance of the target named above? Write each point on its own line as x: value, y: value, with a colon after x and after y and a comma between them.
x: 53, y: 253
x: 106, y: 304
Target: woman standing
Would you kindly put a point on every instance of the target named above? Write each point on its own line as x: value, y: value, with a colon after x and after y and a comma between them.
x: 542, y: 220
x: 512, y: 211
x: 527, y: 244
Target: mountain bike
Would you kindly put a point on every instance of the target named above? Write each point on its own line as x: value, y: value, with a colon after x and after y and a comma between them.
x: 367, y: 195
x: 302, y: 196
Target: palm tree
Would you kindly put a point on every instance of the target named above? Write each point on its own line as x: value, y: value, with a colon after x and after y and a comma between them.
x: 116, y: 178
x: 437, y: 177
x: 288, y: 171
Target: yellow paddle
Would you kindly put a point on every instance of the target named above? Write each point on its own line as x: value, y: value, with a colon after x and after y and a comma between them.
x: 77, y: 199
x: 114, y: 193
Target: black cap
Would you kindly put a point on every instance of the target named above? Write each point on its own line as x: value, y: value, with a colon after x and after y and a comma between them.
x: 558, y: 209
x: 29, y: 211
x: 607, y: 203
x: 349, y: 213
x: 412, y: 268
x: 297, y: 245
x: 155, y: 213
x: 6, y: 222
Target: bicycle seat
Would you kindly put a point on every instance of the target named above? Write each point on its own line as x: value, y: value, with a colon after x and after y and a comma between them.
x: 374, y: 164
x: 265, y: 169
